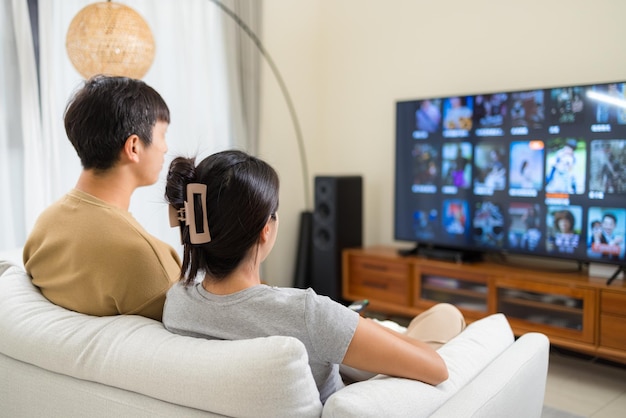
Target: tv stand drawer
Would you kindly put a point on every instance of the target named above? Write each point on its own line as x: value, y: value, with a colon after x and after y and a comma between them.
x: 612, y: 331
x: 612, y: 320
x: 378, y: 279
x: 614, y: 303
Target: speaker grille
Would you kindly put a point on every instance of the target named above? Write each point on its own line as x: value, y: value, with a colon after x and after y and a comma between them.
x: 337, y: 224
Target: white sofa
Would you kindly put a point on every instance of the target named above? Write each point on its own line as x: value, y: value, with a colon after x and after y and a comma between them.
x: 58, y: 363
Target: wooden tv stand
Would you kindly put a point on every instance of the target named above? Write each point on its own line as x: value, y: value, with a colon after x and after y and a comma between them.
x: 575, y: 311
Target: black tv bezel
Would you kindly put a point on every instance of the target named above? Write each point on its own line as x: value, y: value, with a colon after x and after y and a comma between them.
x: 470, y: 251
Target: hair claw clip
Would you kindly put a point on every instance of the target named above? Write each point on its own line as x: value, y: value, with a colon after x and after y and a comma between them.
x: 187, y: 214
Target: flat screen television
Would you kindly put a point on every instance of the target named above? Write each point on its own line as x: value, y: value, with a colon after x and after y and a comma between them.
x: 535, y: 172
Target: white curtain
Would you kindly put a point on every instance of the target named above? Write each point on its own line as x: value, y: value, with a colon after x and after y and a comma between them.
x: 20, y: 127
x: 194, y: 72
x: 243, y: 61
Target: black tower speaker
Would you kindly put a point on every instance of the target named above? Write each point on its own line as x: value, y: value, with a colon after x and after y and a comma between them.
x: 302, y: 274
x: 337, y: 224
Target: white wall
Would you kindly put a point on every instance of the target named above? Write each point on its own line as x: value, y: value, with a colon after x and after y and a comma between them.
x: 346, y: 62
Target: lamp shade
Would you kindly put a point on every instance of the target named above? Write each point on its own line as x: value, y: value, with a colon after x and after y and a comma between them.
x: 110, y: 38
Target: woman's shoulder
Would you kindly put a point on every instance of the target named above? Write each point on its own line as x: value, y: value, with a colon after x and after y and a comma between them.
x: 292, y: 292
x: 281, y: 293
x: 290, y: 298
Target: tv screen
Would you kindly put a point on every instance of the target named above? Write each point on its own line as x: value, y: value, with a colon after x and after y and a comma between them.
x: 536, y: 172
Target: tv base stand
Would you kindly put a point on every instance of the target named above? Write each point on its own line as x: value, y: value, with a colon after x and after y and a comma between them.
x: 619, y: 270
x: 443, y: 254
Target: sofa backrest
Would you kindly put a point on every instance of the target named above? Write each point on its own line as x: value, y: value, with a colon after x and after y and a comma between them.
x: 251, y: 378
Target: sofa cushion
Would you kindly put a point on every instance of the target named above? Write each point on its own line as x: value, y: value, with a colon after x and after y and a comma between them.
x: 250, y: 378
x: 465, y: 355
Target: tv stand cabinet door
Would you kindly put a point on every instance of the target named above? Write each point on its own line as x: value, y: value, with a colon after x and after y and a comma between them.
x: 464, y: 286
x: 565, y: 313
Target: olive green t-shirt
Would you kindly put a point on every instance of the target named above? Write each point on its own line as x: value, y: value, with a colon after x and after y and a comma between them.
x: 88, y: 256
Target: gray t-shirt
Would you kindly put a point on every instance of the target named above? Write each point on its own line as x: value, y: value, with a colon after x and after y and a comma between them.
x: 324, y: 326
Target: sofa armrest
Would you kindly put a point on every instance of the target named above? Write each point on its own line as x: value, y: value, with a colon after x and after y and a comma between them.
x: 466, y: 356
x: 513, y: 385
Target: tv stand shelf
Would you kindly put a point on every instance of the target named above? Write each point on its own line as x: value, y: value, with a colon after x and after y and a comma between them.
x: 575, y: 311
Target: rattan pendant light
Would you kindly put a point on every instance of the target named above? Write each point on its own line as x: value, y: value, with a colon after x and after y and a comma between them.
x: 110, y: 38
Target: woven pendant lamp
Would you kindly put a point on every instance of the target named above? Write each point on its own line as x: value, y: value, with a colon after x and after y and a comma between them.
x: 110, y: 38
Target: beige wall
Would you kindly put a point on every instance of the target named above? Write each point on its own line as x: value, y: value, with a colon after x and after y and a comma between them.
x: 346, y: 62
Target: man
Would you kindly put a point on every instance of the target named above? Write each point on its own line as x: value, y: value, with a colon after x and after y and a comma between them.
x: 613, y: 241
x: 86, y: 252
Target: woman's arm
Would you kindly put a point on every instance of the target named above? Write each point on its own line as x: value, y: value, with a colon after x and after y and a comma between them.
x: 377, y: 349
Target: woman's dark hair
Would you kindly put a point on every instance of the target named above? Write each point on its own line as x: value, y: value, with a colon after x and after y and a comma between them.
x: 242, y: 195
x: 563, y: 214
x: 105, y: 112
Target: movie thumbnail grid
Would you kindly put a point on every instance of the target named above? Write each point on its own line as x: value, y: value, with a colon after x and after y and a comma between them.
x: 527, y: 227
x: 560, y: 165
x: 520, y: 112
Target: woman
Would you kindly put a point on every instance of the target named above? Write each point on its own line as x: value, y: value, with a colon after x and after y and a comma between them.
x: 226, y: 208
x: 565, y: 239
